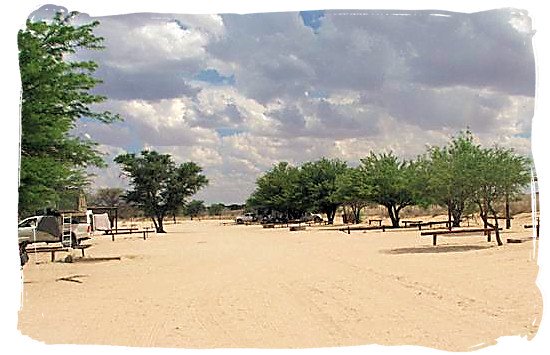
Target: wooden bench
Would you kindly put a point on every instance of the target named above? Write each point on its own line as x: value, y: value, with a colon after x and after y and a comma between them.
x: 348, y: 229
x: 375, y: 220
x: 112, y: 233
x: 411, y: 223
x: 433, y: 223
x: 53, y: 250
x: 435, y: 233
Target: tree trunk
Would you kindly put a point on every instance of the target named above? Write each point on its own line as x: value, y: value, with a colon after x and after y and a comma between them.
x: 497, y: 234
x: 394, y: 215
x: 456, y: 212
x: 159, y: 226
x: 356, y: 214
x: 508, y: 219
x: 330, y: 215
x: 449, y: 214
x: 155, y: 223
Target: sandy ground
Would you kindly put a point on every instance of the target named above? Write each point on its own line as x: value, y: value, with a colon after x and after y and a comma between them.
x: 206, y: 285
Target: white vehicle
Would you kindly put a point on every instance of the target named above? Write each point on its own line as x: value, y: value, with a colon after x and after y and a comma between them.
x: 68, y: 229
x: 246, y: 218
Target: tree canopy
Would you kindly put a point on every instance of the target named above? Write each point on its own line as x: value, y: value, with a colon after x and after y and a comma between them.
x: 160, y: 187
x: 55, y: 94
x: 393, y: 183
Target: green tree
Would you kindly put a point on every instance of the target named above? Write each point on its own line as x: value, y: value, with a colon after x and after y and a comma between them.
x: 194, y: 208
x: 392, y: 183
x: 107, y: 197
x: 318, y: 186
x: 276, y: 191
x: 160, y: 187
x: 451, y: 175
x: 55, y: 94
x: 500, y: 173
x: 352, y: 191
x: 216, y: 209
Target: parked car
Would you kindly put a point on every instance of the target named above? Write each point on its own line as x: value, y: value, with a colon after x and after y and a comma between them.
x: 48, y: 229
x: 246, y: 218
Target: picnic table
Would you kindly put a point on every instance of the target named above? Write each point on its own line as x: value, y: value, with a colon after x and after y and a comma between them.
x: 54, y: 249
x: 432, y: 223
x: 118, y: 231
x: 411, y: 223
x: 486, y: 231
x: 375, y: 220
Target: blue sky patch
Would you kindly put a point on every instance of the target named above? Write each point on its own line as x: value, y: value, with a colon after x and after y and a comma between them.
x: 225, y: 131
x: 212, y: 76
x: 312, y: 18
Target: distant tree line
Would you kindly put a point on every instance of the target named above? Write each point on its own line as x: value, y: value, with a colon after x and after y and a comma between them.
x: 461, y: 176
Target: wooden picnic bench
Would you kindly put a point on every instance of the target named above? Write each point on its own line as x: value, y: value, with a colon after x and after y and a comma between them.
x: 411, y: 223
x: 435, y: 233
x: 53, y: 250
x: 431, y: 224
x: 375, y: 220
x: 112, y: 233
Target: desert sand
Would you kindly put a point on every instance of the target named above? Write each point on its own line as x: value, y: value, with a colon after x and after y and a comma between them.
x: 208, y: 285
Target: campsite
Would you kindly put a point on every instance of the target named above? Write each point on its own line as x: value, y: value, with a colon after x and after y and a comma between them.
x: 307, y: 179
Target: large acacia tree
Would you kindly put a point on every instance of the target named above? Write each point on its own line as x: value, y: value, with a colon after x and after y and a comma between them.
x: 500, y: 174
x: 452, y: 173
x: 353, y: 192
x: 393, y: 183
x: 160, y: 187
x: 277, y: 191
x: 55, y: 94
x: 318, y: 186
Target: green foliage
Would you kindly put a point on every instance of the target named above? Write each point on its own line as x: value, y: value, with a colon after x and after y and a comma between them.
x: 319, y: 187
x: 277, y: 190
x: 352, y: 191
x: 393, y: 184
x: 216, y: 209
x: 460, y: 175
x: 194, y: 208
x: 452, y: 172
x: 55, y: 94
x: 500, y: 173
x: 159, y: 186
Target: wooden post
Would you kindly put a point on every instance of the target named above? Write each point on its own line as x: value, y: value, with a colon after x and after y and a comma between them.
x: 113, y: 237
x: 434, y: 242
x: 349, y: 232
x: 488, y: 235
x: 53, y: 256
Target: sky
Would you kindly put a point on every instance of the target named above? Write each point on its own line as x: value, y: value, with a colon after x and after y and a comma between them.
x: 238, y: 93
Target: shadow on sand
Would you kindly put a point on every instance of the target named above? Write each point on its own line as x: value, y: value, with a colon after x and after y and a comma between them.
x: 435, y: 249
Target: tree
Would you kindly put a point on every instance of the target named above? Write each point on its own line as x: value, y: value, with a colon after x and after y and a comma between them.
x: 500, y: 173
x: 318, y: 186
x: 276, y: 191
x: 393, y: 184
x: 55, y: 94
x: 159, y: 186
x: 107, y: 197
x: 451, y: 175
x: 194, y: 208
x: 352, y: 191
x: 216, y: 209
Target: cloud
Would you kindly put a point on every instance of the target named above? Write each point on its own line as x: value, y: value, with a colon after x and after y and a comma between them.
x: 238, y: 93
